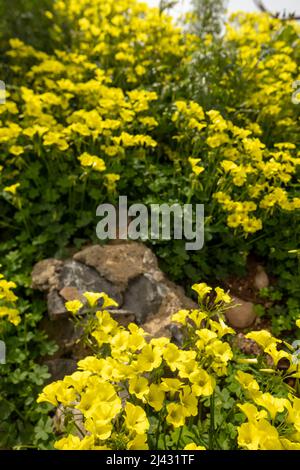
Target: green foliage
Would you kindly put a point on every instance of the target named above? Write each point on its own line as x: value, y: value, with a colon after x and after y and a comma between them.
x: 208, y: 16
x: 26, y: 20
x: 23, y: 422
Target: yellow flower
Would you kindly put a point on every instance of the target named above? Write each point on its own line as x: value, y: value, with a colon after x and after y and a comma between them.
x: 150, y: 358
x: 221, y: 328
x: 275, y: 354
x: 155, y: 397
x: 202, y: 289
x: 193, y: 446
x: 72, y: 442
x: 12, y: 189
x: 222, y: 296
x: 92, y: 161
x: 263, y: 338
x: 202, y: 383
x: 139, y: 442
x: 189, y: 401
x: 12, y: 314
x: 136, y: 419
x: 73, y: 306
x: 16, y: 150
x: 171, y: 385
x: 274, y: 405
x: 294, y: 413
x: 248, y: 383
x: 57, y: 392
x: 92, y: 298
x: 176, y: 415
x: 107, y: 301
x: 180, y: 317
x: 138, y: 386
x: 259, y: 435
x: 289, y: 445
x: 252, y: 412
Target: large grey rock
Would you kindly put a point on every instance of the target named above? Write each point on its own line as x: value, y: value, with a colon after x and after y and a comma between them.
x: 128, y: 272
x: 56, y: 306
x: 143, y: 297
x: 174, y: 299
x: 84, y: 278
x: 119, y: 263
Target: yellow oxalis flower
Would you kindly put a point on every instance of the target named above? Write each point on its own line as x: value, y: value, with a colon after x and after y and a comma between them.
x: 92, y: 161
x: 222, y: 296
x: 12, y: 315
x: 176, y: 414
x: 202, y: 289
x: 16, y: 150
x: 259, y: 435
x: 150, y: 358
x: 57, y: 392
x: 155, y: 397
x: 171, y: 385
x: 138, y: 386
x: 72, y: 442
x: 92, y: 298
x: 189, y: 401
x: 73, y: 306
x: 136, y: 419
x: 139, y: 442
x: 274, y: 405
x: 289, y: 445
x: 193, y: 446
x: 248, y: 383
x: 263, y: 338
x: 202, y: 383
x: 252, y: 412
x: 12, y: 189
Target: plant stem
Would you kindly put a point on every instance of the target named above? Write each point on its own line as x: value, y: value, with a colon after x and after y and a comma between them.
x: 157, y: 432
x: 212, y: 421
x: 179, y: 437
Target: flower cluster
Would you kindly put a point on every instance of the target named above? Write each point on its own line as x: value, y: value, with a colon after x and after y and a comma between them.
x: 250, y: 181
x: 8, y: 299
x: 273, y: 419
x: 138, y: 392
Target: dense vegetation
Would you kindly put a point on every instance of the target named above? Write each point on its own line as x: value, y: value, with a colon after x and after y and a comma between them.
x: 112, y: 98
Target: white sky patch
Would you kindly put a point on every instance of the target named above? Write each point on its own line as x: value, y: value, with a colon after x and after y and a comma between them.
x: 290, y: 6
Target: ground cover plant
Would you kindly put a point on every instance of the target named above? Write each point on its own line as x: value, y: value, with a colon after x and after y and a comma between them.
x: 114, y: 98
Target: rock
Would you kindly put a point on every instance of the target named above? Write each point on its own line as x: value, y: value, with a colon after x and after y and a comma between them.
x: 247, y: 345
x: 84, y: 278
x: 143, y: 297
x: 120, y: 263
x: 60, y: 367
x: 70, y: 293
x: 63, y: 332
x: 174, y: 300
x: 74, y: 279
x: 45, y: 274
x: 56, y: 305
x: 242, y: 314
x: 128, y: 272
x: 261, y: 279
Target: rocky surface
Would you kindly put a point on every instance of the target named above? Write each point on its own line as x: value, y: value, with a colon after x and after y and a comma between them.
x: 128, y: 272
